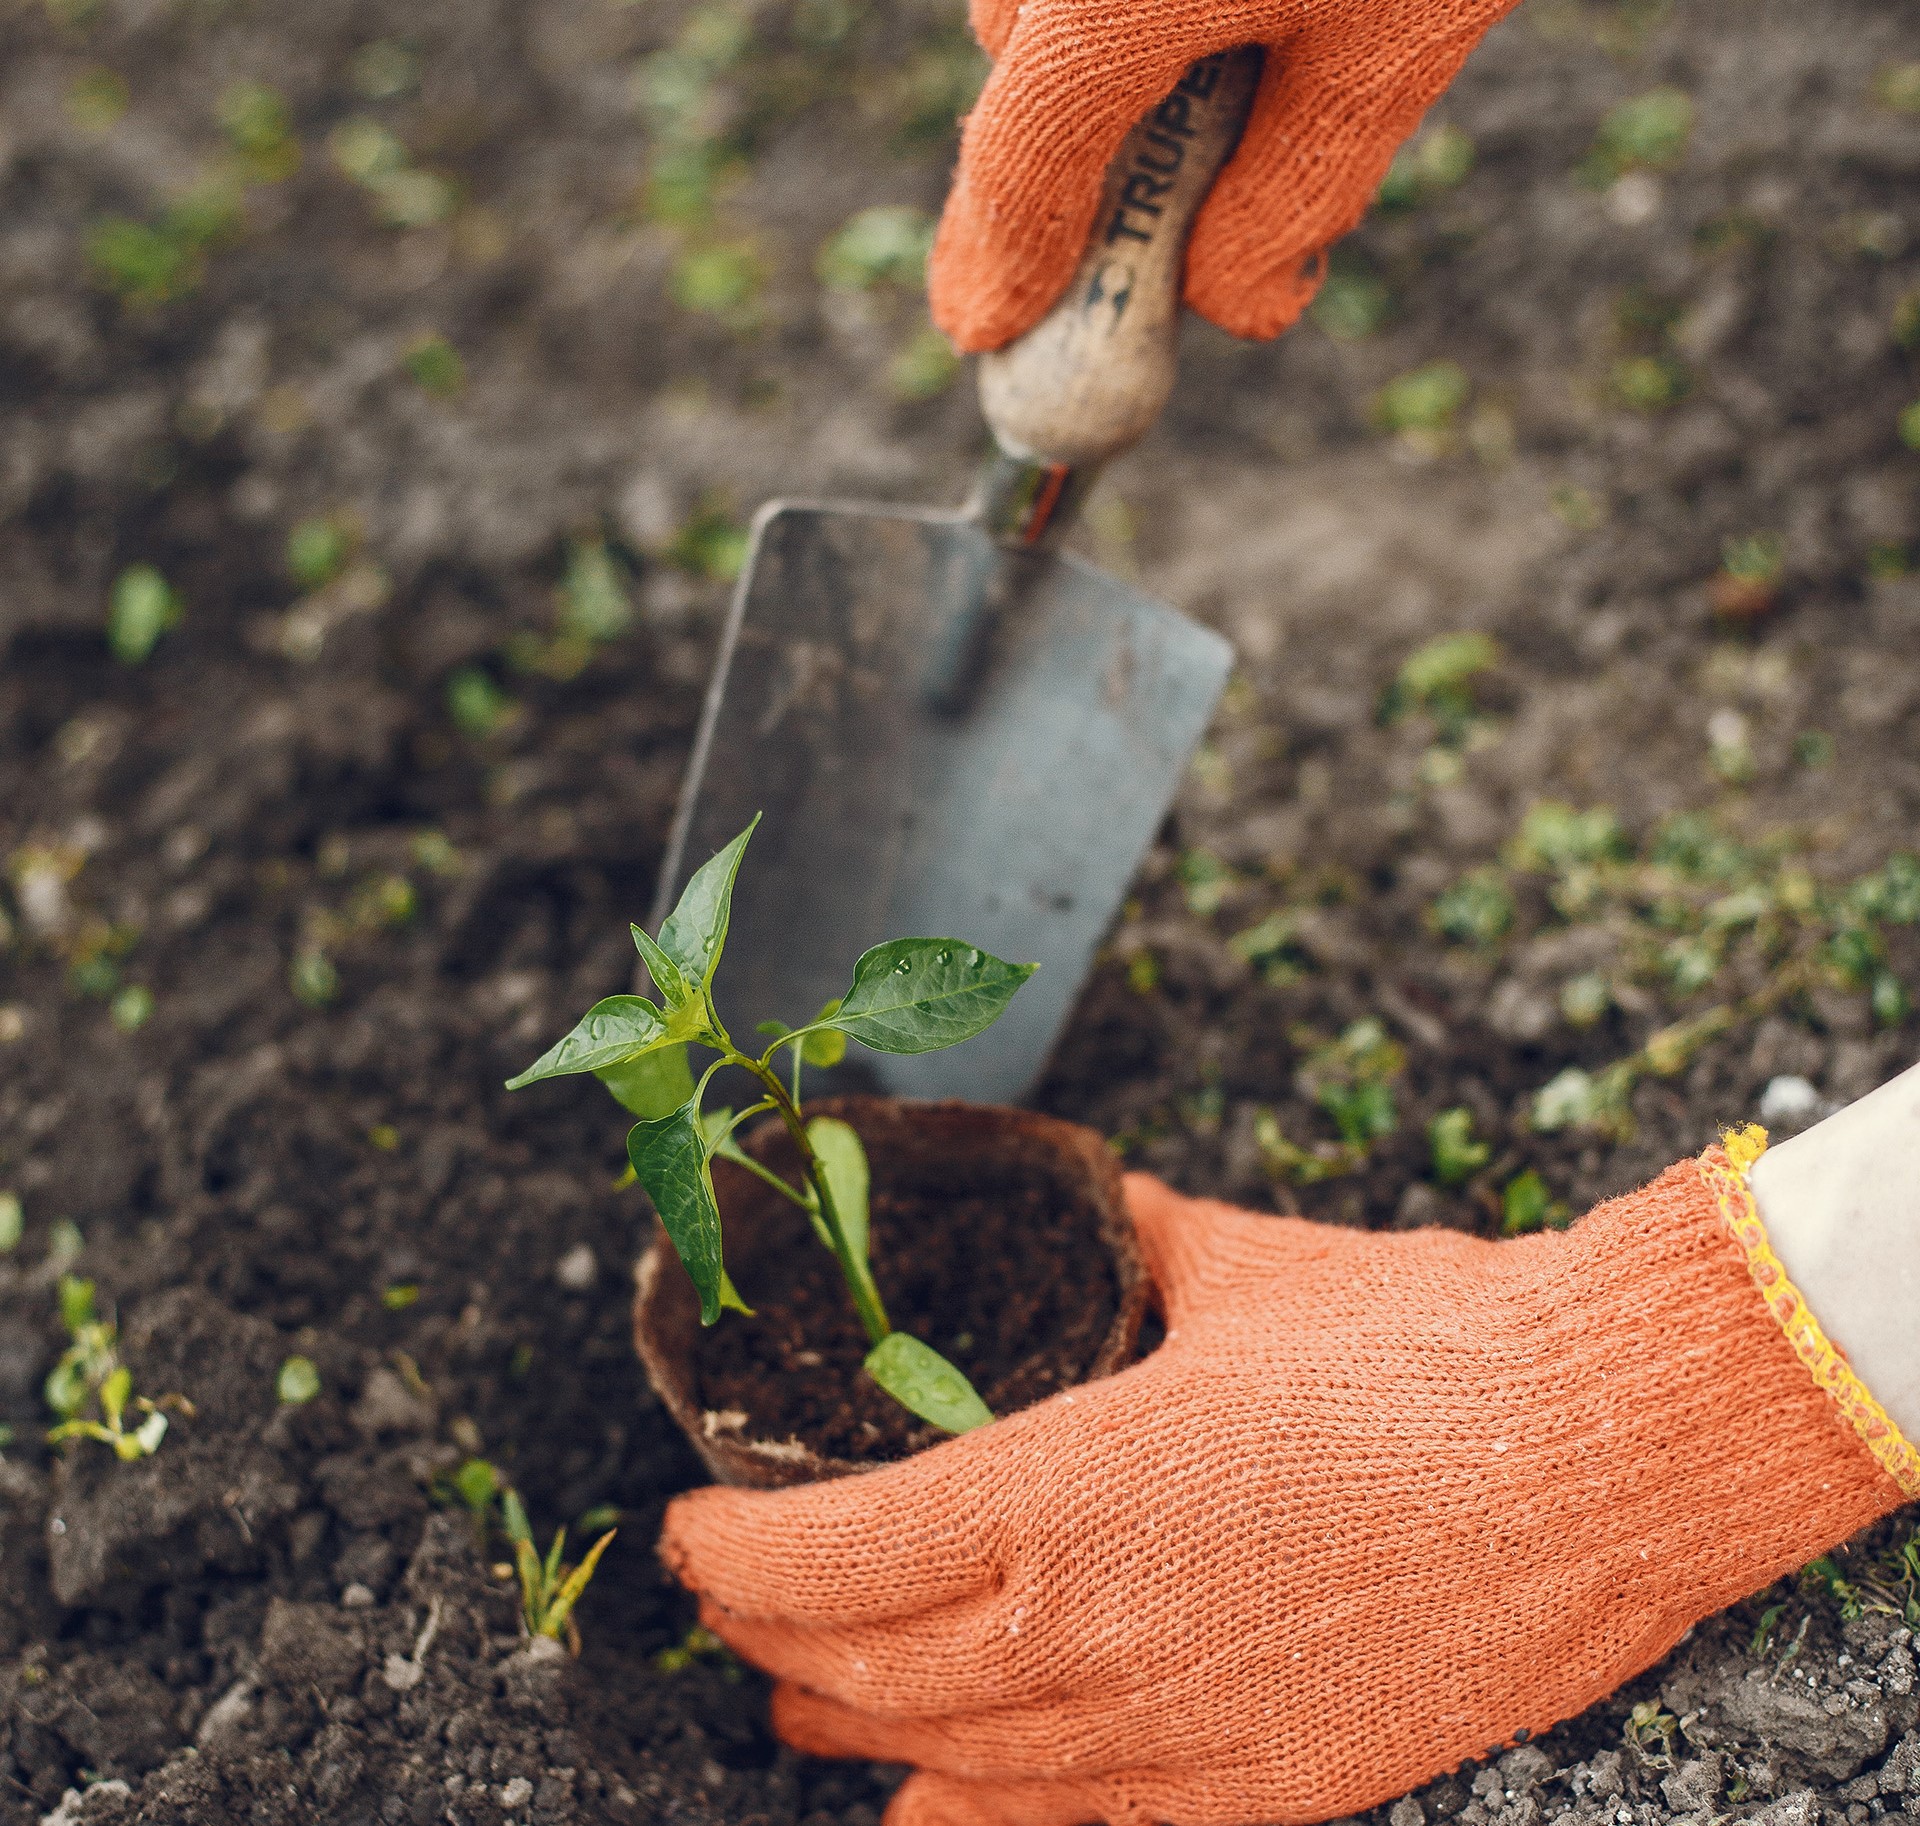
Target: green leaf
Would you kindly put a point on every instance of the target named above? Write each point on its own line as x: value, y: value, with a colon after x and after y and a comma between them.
x: 844, y: 1163
x: 114, y: 1395
x: 76, y: 1303
x: 669, y: 1158
x: 298, y: 1381
x: 477, y: 1483
x: 825, y: 1046
x: 653, y: 1085
x: 695, y: 932
x: 609, y: 1033
x: 666, y: 974
x: 513, y: 1517
x: 568, y: 1596
x: 914, y: 995
x: 925, y: 1383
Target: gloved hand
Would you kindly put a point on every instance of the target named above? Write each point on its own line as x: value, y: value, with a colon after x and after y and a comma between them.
x: 1345, y: 82
x: 1378, y: 1503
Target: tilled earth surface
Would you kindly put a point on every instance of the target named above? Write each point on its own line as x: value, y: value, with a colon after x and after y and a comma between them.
x: 515, y: 309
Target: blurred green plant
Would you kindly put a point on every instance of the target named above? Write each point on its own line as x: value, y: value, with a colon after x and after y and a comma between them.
x: 1354, y: 301
x: 1703, y: 930
x: 383, y: 69
x: 885, y: 245
x: 148, y: 264
x: 478, y: 706
x: 1650, y: 382
x: 721, y: 279
x: 141, y: 607
x: 1644, y: 133
x: 317, y: 551
x: 374, y: 157
x: 1435, y: 161
x: 1527, y: 1205
x: 924, y: 366
x: 1455, y: 1151
x: 1435, y: 680
x: 710, y: 543
x: 259, y: 127
x: 1897, y: 86
x: 434, y: 365
x: 1428, y: 399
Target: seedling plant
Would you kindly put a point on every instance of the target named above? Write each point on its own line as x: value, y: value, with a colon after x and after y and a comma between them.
x: 550, y: 1588
x: 90, y: 1369
x: 908, y: 995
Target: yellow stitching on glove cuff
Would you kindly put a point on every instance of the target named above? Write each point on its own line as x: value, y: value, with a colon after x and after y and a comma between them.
x: 1725, y: 1171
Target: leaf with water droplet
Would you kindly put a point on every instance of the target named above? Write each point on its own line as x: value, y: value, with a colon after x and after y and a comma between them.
x: 610, y: 1032
x: 925, y: 1383
x: 914, y: 995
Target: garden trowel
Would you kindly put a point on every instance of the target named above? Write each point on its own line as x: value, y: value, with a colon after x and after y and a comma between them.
x: 952, y: 728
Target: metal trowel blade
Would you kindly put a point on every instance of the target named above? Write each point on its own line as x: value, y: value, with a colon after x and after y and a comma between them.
x: 1013, y: 822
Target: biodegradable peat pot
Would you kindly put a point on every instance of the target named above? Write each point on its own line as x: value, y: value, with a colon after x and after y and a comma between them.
x: 997, y: 1236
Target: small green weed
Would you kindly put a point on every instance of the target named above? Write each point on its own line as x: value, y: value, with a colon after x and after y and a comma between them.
x: 711, y: 543
x: 1526, y: 1205
x: 142, y: 607
x: 317, y: 551
x: 478, y: 706
x: 1433, y: 162
x: 885, y: 245
x: 923, y: 367
x: 549, y: 1588
x: 1423, y: 404
x: 1644, y: 133
x: 1436, y: 680
x: 433, y: 364
x: 259, y: 127
x: 1456, y: 1153
x: 1717, y: 930
x: 90, y: 1372
x: 1353, y: 302
x: 149, y: 264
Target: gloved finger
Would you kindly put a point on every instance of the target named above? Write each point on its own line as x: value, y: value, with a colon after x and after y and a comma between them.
x: 1141, y: 1797
x: 954, y: 1659
x: 1085, y: 1735
x: 884, y: 1544
x: 928, y: 1799
x: 1191, y: 1244
x: 1032, y: 160
x: 992, y: 22
x: 1331, y: 111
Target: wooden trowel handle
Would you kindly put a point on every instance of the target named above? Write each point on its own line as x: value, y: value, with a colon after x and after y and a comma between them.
x: 1090, y: 378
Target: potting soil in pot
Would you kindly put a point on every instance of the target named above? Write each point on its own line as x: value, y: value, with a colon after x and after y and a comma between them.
x: 1014, y: 1286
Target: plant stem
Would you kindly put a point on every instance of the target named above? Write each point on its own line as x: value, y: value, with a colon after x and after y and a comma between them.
x: 866, y: 1297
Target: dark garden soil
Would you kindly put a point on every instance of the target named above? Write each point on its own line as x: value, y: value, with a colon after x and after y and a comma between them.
x: 526, y: 293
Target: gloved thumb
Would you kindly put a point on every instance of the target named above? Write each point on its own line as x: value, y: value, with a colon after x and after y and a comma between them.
x: 1334, y: 106
x: 1188, y: 1244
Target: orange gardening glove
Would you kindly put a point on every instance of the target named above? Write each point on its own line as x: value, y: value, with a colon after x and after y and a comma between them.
x: 1378, y: 1503
x: 1346, y: 81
